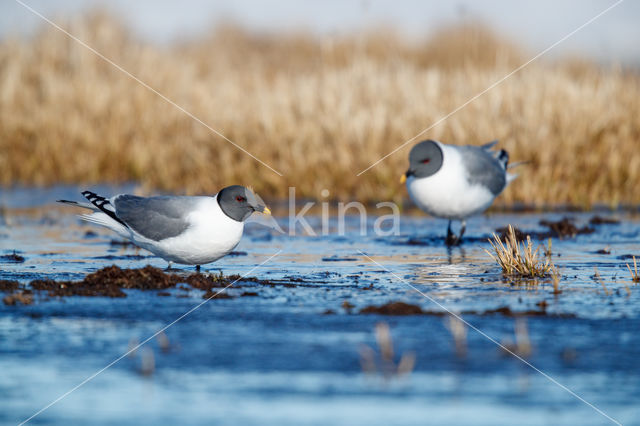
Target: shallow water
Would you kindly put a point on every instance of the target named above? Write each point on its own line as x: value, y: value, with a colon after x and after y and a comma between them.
x: 278, y: 358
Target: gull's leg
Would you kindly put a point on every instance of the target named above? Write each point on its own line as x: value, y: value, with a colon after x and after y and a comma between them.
x: 197, y: 268
x: 451, y: 237
x: 169, y: 266
x: 464, y: 227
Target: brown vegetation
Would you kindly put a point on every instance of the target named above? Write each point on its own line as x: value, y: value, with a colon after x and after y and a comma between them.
x: 319, y: 110
x: 112, y: 280
x: 519, y: 259
x: 393, y: 308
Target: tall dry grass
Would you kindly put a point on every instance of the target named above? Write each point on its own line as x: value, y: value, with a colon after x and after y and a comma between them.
x: 318, y: 110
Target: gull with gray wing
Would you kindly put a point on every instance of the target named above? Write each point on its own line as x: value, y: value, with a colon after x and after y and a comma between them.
x: 455, y: 182
x: 181, y: 229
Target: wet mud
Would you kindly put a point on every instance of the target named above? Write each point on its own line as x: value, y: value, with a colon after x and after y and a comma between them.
x: 112, y: 281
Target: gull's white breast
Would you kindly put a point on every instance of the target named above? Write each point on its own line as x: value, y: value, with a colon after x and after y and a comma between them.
x: 448, y: 193
x: 210, y: 236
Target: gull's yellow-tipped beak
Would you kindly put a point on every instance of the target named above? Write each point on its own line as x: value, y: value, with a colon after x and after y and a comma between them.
x: 266, y: 211
x: 403, y: 178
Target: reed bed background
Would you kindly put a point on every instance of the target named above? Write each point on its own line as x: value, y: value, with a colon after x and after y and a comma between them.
x: 319, y: 110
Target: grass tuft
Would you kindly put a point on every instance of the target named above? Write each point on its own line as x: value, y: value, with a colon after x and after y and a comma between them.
x: 520, y: 259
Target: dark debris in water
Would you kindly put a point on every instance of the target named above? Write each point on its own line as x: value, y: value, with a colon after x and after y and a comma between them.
x: 218, y: 294
x: 121, y: 243
x: 394, y: 308
x: 339, y: 259
x: 599, y: 220
x: 629, y: 256
x: 7, y: 285
x: 402, y: 308
x: 416, y: 242
x: 508, y: 312
x: 12, y: 258
x: 564, y: 228
x: 111, y: 281
x: 520, y: 235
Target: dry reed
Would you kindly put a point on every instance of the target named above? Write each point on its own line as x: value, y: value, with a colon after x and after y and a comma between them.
x: 597, y: 278
x: 318, y: 109
x: 635, y: 277
x: 520, y: 260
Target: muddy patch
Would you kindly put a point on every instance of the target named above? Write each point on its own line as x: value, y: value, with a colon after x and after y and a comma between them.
x: 402, y: 308
x: 112, y: 281
x: 599, y: 220
x: 8, y: 285
x: 394, y: 308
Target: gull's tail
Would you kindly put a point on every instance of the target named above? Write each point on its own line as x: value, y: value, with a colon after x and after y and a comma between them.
x: 77, y: 204
x: 519, y: 163
x: 503, y: 158
x: 512, y: 176
x: 104, y: 205
x: 103, y: 214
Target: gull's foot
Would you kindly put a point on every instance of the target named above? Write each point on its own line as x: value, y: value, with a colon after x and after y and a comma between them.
x: 452, y: 240
x: 170, y: 268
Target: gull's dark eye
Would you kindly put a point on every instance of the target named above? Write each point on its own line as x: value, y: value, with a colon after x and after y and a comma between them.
x: 240, y: 199
x: 426, y: 161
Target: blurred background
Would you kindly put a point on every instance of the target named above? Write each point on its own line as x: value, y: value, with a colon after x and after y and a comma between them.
x: 319, y: 91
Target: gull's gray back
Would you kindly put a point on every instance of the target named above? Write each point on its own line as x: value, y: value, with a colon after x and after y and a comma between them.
x: 483, y: 168
x: 156, y: 218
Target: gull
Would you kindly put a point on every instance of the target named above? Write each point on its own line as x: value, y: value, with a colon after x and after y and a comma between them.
x: 181, y: 229
x: 455, y: 182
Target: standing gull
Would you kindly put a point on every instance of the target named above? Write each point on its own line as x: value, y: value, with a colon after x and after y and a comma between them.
x: 181, y: 229
x: 455, y: 182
